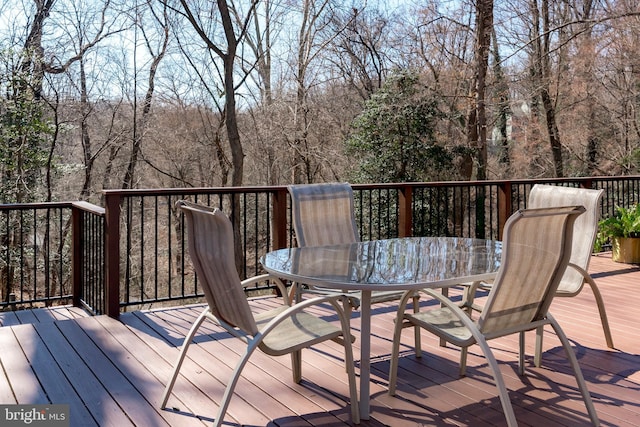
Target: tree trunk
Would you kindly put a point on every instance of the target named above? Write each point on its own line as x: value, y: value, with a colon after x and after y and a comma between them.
x: 476, y: 116
x: 553, y: 132
x: 504, y: 111
x: 542, y: 74
x: 231, y: 123
x: 484, y: 29
x: 477, y: 124
x: 138, y: 131
x: 587, y: 53
x: 84, y: 134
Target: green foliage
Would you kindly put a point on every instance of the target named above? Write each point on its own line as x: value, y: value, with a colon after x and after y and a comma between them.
x: 430, y: 212
x: 24, y: 137
x: 625, y: 223
x: 634, y: 160
x: 393, y: 139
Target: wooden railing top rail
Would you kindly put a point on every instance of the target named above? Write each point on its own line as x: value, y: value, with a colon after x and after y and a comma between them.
x: 465, y: 207
x: 39, y: 205
x: 274, y: 188
x: 89, y: 207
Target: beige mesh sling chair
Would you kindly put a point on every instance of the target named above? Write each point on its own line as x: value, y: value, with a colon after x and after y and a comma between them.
x: 323, y: 214
x: 584, y: 235
x: 284, y: 330
x: 536, y: 252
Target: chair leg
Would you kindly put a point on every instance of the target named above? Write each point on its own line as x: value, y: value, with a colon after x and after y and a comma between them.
x: 521, y: 353
x: 464, y: 351
x: 582, y: 385
x: 445, y: 293
x: 395, y: 354
x: 296, y: 366
x: 294, y: 293
x: 416, y: 329
x: 183, y: 352
x: 347, y: 307
x: 601, y: 310
x: 469, y: 296
x: 231, y: 385
x: 537, y: 360
x: 350, y: 365
x: 348, y: 311
x: 507, y: 408
x: 537, y: 355
x: 296, y: 290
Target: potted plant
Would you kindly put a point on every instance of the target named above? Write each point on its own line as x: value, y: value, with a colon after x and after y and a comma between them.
x: 622, y: 231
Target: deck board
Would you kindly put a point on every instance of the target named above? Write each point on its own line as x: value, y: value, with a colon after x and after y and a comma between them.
x: 24, y: 383
x: 51, y: 376
x: 112, y: 372
x: 95, y: 397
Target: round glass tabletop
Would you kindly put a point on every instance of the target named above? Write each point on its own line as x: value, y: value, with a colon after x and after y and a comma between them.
x: 390, y: 264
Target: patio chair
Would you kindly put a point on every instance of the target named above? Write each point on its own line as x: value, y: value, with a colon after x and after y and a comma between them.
x: 584, y: 235
x: 536, y: 252
x: 323, y: 214
x: 585, y: 230
x: 283, y: 330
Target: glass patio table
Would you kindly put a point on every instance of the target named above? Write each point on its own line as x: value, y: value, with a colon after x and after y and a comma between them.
x: 400, y: 264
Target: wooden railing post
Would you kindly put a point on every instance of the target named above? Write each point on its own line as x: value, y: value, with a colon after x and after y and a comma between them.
x: 86, y: 277
x: 405, y: 220
x: 77, y: 252
x: 112, y: 254
x: 586, y: 183
x: 279, y: 219
x: 504, y: 205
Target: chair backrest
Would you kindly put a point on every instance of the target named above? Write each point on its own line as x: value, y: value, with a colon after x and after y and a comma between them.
x: 210, y: 240
x: 584, y: 230
x: 536, y: 251
x: 323, y: 214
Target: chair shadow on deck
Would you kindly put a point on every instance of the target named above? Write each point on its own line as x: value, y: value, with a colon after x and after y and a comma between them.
x: 628, y: 268
x: 610, y: 374
x: 424, y: 380
x: 626, y: 365
x: 172, y: 325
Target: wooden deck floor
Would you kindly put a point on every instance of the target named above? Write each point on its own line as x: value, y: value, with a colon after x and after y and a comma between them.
x: 112, y: 373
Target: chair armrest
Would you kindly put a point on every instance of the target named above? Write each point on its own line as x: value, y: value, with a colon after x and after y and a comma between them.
x: 334, y: 300
x: 580, y: 270
x: 264, y: 277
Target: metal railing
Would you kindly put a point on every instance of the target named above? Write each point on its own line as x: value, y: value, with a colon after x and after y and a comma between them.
x: 88, y: 265
x: 132, y: 252
x: 34, y: 254
x: 51, y: 253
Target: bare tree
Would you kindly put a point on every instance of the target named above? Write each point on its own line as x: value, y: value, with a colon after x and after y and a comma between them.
x: 360, y: 49
x: 224, y: 45
x: 477, y: 117
x: 156, y: 54
x: 442, y: 46
x: 58, y: 37
x: 36, y: 129
x: 315, y: 34
x: 502, y: 99
x: 265, y: 138
x: 541, y: 74
x: 226, y: 49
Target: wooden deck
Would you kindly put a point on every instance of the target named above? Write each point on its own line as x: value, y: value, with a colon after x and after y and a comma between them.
x: 112, y: 373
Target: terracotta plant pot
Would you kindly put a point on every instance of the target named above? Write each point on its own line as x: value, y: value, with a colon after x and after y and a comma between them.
x: 626, y: 249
